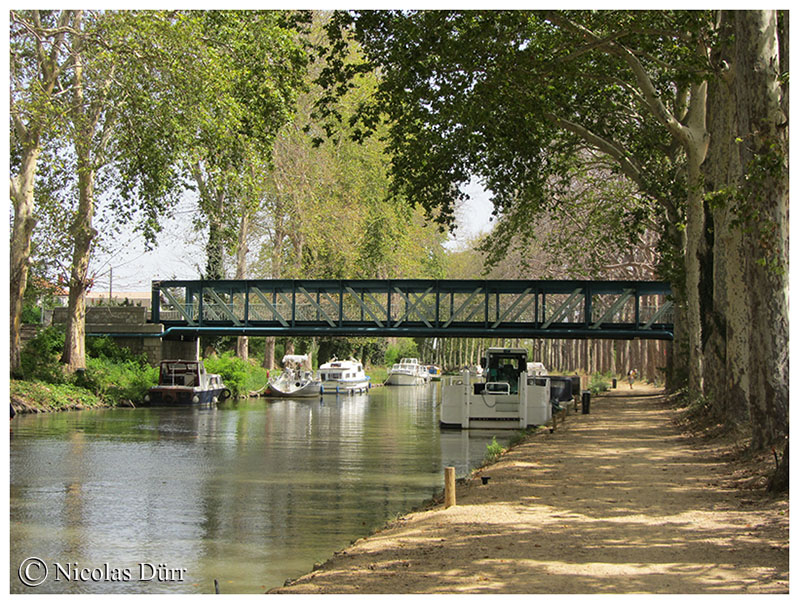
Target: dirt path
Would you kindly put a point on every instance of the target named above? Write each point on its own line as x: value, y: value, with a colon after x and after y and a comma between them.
x: 616, y: 501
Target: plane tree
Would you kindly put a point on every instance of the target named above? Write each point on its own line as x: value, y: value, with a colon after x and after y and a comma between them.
x: 116, y: 126
x: 37, y: 49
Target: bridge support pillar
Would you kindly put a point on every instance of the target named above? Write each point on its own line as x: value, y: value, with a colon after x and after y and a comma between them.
x: 180, y: 347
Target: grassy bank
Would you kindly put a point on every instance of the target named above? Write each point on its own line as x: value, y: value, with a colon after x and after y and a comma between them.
x: 37, y: 396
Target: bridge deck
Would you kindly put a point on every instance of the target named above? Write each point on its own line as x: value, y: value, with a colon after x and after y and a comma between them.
x: 477, y: 308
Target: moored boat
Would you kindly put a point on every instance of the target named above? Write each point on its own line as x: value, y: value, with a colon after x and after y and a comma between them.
x: 508, y: 397
x: 434, y: 372
x: 409, y: 372
x: 343, y: 376
x: 296, y: 380
x: 186, y: 382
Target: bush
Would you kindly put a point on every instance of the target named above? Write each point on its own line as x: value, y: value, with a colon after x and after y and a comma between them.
x: 392, y: 355
x: 235, y: 372
x: 115, y: 381
x: 493, y: 451
x: 406, y: 347
x: 31, y: 314
x: 39, y: 359
x: 104, y: 347
x: 112, y: 373
x: 599, y: 383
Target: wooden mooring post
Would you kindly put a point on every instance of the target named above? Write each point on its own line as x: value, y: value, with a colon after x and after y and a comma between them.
x: 449, y: 486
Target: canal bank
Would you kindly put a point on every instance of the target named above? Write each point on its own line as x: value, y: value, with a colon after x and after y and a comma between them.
x: 617, y: 501
x: 33, y: 397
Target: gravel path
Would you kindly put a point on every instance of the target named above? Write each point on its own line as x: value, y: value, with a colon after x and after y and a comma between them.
x: 616, y: 501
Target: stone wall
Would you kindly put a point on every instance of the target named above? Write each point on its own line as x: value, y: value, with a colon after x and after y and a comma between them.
x: 106, y: 315
x: 129, y: 328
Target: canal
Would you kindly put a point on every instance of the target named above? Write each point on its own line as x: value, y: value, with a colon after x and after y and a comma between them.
x: 248, y: 493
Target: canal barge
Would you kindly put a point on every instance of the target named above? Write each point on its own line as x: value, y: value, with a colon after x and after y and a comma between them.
x: 507, y: 397
x: 345, y: 376
x: 296, y: 380
x: 409, y: 372
x: 186, y: 382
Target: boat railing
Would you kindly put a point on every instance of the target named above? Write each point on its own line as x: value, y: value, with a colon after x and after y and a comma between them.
x: 498, y: 388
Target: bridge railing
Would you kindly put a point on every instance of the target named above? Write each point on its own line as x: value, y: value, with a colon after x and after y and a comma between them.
x: 555, y: 309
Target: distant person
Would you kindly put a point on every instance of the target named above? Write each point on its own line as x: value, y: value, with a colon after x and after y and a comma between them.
x: 631, y: 377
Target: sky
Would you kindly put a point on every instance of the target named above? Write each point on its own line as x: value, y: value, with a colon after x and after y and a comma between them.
x: 180, y: 254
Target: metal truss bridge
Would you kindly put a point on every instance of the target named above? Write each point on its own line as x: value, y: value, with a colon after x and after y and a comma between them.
x: 442, y: 308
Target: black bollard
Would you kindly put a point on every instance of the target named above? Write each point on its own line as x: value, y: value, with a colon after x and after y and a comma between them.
x: 586, y: 398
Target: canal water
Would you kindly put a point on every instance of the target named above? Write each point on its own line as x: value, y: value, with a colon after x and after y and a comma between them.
x: 248, y: 493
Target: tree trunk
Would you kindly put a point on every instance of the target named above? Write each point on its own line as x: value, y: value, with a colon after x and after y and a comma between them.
x: 83, y: 233
x: 729, y: 324
x: 779, y: 482
x: 22, y: 231
x: 694, y: 245
x: 242, y: 351
x: 763, y: 128
x: 215, y: 247
x: 269, y: 352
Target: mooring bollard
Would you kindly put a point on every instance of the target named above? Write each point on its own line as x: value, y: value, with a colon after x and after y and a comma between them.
x: 586, y: 398
x: 449, y: 486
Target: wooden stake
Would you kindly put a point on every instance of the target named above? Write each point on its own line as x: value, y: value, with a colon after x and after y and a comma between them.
x: 449, y: 486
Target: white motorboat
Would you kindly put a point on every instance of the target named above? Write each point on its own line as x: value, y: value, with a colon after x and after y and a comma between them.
x: 343, y: 376
x: 296, y: 380
x: 409, y: 372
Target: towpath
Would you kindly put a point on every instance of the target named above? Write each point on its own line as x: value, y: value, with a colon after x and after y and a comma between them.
x: 616, y: 501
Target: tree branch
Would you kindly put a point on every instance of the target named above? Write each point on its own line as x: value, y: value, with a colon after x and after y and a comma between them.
x: 609, y: 147
x: 657, y: 107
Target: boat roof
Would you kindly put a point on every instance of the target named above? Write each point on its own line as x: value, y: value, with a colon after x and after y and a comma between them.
x: 340, y: 363
x: 294, y: 359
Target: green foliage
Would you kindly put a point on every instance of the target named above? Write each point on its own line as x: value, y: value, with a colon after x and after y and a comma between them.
x: 31, y: 314
x: 40, y: 357
x: 493, y: 451
x: 112, y: 373
x: 104, y: 347
x: 235, y: 372
x: 378, y: 374
x: 599, y: 383
x: 405, y: 347
x: 44, y: 395
x: 566, y: 109
x: 114, y: 381
x: 392, y: 355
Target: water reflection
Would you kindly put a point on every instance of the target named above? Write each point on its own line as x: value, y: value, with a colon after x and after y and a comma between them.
x: 249, y: 493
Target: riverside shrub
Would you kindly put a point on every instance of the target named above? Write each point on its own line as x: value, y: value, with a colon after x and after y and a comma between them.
x: 116, y: 381
x: 39, y: 359
x: 233, y: 371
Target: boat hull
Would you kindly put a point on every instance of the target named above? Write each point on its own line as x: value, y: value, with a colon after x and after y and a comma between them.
x: 404, y: 380
x: 310, y: 389
x: 181, y: 395
x: 345, y: 386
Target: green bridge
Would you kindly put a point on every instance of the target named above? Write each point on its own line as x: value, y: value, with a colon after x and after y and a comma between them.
x: 397, y: 307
